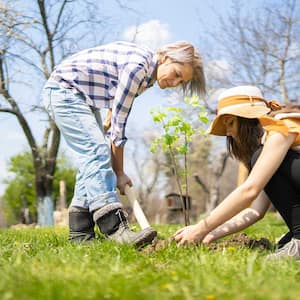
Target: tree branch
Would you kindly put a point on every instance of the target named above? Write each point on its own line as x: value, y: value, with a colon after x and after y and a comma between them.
x: 202, y: 184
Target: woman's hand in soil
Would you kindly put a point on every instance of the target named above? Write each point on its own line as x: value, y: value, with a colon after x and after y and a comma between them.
x: 192, y: 234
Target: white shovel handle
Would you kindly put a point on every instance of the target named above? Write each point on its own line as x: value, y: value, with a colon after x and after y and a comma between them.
x: 137, y: 210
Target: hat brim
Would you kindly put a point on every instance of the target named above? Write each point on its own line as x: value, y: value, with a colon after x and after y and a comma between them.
x: 251, y: 112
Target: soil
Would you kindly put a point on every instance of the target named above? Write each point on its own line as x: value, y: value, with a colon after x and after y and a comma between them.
x: 242, y: 240
x: 238, y: 241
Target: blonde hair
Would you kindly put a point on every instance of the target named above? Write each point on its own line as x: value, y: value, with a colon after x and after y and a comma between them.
x: 184, y: 52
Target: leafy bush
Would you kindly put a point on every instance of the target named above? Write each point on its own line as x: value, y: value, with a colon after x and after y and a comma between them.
x: 20, y: 191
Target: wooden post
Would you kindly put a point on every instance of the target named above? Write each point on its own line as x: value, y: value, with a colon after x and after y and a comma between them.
x: 62, y: 195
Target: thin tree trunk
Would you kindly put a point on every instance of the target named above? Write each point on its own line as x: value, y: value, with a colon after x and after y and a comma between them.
x: 45, y: 211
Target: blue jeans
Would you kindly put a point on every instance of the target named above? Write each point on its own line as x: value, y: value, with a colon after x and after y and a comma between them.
x: 81, y: 127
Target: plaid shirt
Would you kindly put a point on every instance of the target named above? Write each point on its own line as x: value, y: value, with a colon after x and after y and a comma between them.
x: 109, y: 76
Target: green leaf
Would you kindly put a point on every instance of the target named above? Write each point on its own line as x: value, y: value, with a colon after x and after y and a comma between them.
x: 203, y: 117
x: 154, y: 145
x: 175, y: 121
x: 169, y: 139
x: 174, y: 109
x: 182, y: 149
x: 192, y: 101
x: 158, y: 117
x: 185, y: 127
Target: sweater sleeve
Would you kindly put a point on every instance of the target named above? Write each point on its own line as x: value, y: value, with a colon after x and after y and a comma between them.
x: 271, y: 124
x: 284, y: 126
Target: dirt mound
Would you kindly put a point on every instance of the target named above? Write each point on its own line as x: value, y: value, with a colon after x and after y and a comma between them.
x: 242, y: 240
x: 238, y: 241
x: 156, y: 245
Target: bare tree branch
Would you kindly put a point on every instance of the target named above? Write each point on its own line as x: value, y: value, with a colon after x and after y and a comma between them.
x: 260, y: 48
x: 201, y: 182
x: 31, y: 42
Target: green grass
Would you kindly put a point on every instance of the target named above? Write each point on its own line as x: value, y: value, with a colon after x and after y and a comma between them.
x: 41, y: 264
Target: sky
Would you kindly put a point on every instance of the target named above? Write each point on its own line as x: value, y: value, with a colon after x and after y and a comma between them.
x: 158, y: 22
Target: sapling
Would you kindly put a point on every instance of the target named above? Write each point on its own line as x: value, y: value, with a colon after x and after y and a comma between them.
x: 179, y: 124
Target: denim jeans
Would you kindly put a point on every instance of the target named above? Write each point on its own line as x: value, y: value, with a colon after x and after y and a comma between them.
x: 81, y: 127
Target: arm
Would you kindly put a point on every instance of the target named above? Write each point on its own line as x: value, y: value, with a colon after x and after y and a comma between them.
x: 107, y: 122
x: 117, y: 165
x: 129, y: 80
x: 268, y: 162
x: 244, y: 219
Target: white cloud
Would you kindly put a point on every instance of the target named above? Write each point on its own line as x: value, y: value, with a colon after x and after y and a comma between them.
x: 218, y: 69
x: 294, y: 50
x: 153, y: 34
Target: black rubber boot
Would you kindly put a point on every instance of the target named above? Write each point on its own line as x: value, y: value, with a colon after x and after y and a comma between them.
x: 109, y: 223
x: 81, y: 225
x: 113, y: 223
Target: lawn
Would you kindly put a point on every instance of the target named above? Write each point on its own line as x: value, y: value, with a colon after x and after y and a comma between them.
x: 41, y: 264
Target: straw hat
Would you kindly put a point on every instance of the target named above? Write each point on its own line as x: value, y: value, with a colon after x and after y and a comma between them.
x: 243, y: 101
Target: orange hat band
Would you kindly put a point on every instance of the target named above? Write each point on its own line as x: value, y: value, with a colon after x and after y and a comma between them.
x: 245, y: 99
x: 239, y: 99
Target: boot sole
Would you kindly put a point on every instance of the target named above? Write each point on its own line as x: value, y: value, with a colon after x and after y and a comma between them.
x: 146, y: 239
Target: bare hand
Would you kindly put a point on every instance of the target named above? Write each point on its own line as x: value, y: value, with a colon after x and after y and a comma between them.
x: 208, y: 238
x: 122, y: 181
x: 192, y: 234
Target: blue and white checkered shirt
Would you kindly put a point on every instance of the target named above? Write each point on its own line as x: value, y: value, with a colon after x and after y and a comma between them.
x: 109, y: 76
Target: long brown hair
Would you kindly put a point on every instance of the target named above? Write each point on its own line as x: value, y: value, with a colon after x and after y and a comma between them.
x: 249, y: 135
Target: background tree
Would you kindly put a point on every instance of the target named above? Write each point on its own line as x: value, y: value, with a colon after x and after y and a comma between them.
x: 179, y: 125
x: 252, y: 47
x: 146, y: 166
x: 20, y: 193
x: 199, y: 162
x: 260, y: 47
x: 148, y: 174
x: 213, y: 187
x: 35, y: 36
x: 154, y: 179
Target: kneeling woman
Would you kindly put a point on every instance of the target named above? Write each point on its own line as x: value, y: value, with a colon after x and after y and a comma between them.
x: 270, y: 148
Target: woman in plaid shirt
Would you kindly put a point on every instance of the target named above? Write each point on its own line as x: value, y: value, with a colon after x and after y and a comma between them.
x: 110, y: 76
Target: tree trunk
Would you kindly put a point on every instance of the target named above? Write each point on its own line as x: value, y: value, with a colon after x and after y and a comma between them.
x: 45, y: 211
x: 213, y: 189
x: 44, y: 189
x: 214, y: 196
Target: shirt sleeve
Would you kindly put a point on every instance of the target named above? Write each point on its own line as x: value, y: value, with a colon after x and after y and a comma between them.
x: 130, y: 79
x: 284, y: 126
x: 271, y: 124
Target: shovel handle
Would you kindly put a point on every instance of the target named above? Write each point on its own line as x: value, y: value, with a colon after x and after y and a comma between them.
x: 137, y: 210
